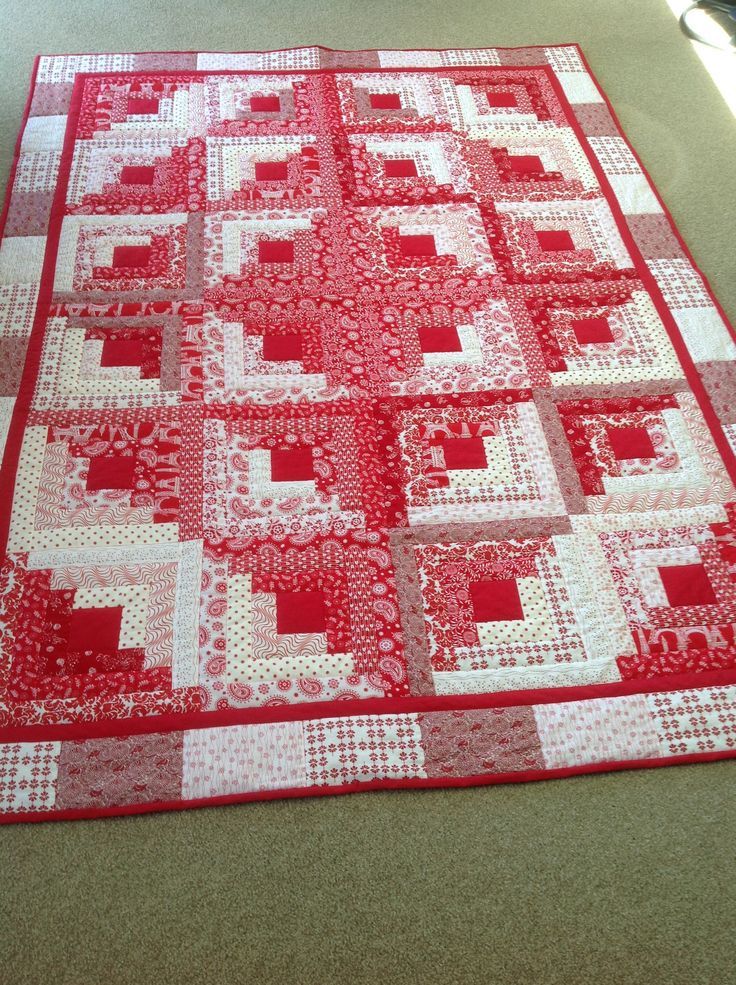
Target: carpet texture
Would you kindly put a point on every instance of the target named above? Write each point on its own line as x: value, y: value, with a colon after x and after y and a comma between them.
x: 691, y: 804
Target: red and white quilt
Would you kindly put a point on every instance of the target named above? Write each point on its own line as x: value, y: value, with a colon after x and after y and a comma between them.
x: 368, y: 425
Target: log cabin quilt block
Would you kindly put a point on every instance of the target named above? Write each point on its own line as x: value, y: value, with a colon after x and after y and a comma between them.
x: 367, y: 424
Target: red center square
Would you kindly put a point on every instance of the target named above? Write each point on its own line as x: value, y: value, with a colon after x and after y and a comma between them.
x: 418, y: 246
x: 501, y: 100
x: 385, y: 100
x: 271, y: 170
x: 526, y: 164
x: 464, y: 453
x: 292, y: 464
x: 275, y: 251
x: 95, y: 629
x: 439, y: 339
x: 131, y: 256
x: 122, y: 352
x: 137, y: 175
x: 687, y: 584
x: 496, y: 601
x: 300, y: 612
x: 588, y: 331
x: 282, y: 348
x: 555, y: 240
x: 405, y: 167
x: 631, y: 442
x: 111, y: 472
x: 265, y: 104
x: 142, y: 105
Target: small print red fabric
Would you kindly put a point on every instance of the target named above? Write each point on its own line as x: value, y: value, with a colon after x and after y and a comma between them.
x: 368, y: 425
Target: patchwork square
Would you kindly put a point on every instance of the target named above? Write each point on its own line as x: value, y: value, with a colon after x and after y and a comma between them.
x: 492, y: 606
x: 473, y: 743
x: 255, y: 170
x: 146, y: 769
x: 273, y: 358
x: 28, y: 772
x: 90, y: 486
x: 428, y: 243
x: 495, y: 600
x: 674, y: 588
x: 687, y: 584
x: 402, y: 168
x: 106, y: 257
x: 220, y: 762
x: 89, y: 362
x: 539, y: 240
x: 381, y: 749
x: 577, y: 732
x: 317, y: 622
x: 480, y: 459
x: 442, y: 349
x: 292, y: 471
x: 694, y: 721
x: 118, y: 624
x: 652, y: 452
x: 300, y: 612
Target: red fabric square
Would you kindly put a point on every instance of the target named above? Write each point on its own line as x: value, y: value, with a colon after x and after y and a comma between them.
x: 95, y: 629
x: 555, y: 240
x: 495, y: 601
x: 464, y: 453
x: 282, y: 348
x: 300, y: 612
x: 271, y: 170
x: 687, y: 584
x: 501, y: 100
x: 526, y: 164
x: 385, y: 100
x: 265, y: 104
x: 275, y: 251
x: 137, y: 175
x: 418, y: 246
x: 405, y: 167
x: 291, y: 464
x: 444, y: 339
x: 631, y: 442
x: 122, y: 352
x: 111, y: 472
x: 142, y: 104
x: 131, y: 256
x: 590, y: 330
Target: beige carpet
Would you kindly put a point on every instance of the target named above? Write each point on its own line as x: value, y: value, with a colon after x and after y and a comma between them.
x: 622, y: 878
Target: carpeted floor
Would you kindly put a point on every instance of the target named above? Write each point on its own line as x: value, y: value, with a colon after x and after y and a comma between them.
x: 621, y: 878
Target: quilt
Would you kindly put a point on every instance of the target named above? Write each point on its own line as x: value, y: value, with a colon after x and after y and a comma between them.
x: 368, y: 425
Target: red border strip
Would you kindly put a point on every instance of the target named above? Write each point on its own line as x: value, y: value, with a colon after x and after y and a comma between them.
x: 416, y: 783
x: 306, y: 711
